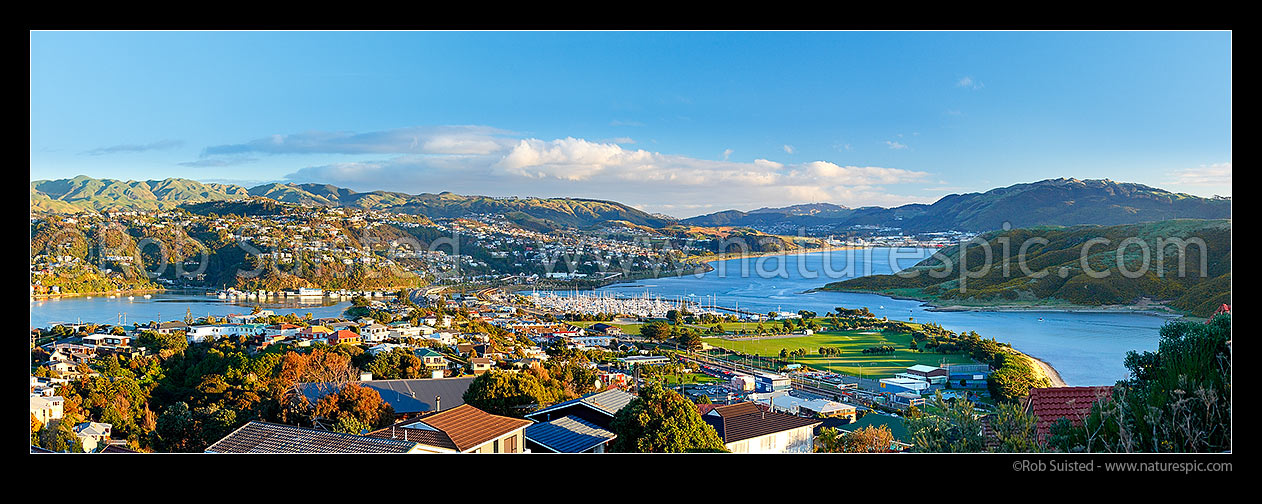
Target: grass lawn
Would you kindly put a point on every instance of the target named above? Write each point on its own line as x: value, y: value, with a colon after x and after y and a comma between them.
x: 852, y: 360
x: 626, y: 328
x: 691, y: 378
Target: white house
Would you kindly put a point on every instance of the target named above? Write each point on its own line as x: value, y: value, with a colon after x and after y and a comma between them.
x: 201, y: 333
x: 245, y: 319
x: 47, y: 408
x: 444, y: 338
x: 92, y: 434
x: 374, y: 332
x: 747, y: 428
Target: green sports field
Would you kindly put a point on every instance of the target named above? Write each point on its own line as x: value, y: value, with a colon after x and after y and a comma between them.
x: 851, y: 360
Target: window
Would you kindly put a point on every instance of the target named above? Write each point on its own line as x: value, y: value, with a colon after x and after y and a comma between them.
x: 495, y: 446
x: 510, y: 444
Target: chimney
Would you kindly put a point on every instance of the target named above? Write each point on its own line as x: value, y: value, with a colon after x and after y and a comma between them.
x: 438, y: 403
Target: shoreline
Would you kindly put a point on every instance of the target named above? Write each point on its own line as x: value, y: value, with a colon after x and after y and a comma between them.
x: 1060, y: 308
x: 1047, y: 370
x: 41, y: 297
x: 713, y: 258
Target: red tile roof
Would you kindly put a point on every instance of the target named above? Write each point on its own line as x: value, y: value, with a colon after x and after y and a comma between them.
x: 1053, y: 403
x: 461, y: 428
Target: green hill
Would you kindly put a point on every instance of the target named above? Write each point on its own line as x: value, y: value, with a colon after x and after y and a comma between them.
x: 1056, y: 202
x: 84, y: 193
x: 1056, y: 273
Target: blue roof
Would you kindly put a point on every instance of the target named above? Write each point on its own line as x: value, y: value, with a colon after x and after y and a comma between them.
x: 408, y: 396
x: 607, y: 402
x: 568, y: 435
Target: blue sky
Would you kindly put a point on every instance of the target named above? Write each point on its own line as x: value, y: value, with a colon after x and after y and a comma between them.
x: 683, y: 123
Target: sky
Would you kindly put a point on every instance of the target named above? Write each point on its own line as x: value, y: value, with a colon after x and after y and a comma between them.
x: 681, y: 123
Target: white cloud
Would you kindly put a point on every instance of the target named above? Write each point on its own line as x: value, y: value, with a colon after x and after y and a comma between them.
x: 116, y: 149
x: 727, y: 153
x: 468, y: 140
x: 1204, y: 175
x: 895, y: 145
x: 577, y: 167
x: 970, y: 83
x: 788, y: 149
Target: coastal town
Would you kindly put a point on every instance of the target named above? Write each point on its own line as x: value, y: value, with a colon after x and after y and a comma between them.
x: 428, y: 361
x: 850, y: 247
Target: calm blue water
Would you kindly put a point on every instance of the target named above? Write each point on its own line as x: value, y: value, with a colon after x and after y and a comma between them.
x: 1085, y: 348
x: 164, y: 306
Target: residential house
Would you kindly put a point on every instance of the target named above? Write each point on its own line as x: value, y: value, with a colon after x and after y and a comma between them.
x: 234, y: 318
x: 567, y: 434
x: 315, y: 332
x: 433, y: 360
x: 108, y: 342
x: 267, y: 437
x: 283, y: 330
x: 481, y: 365
x: 199, y: 333
x: 408, y: 397
x: 374, y: 332
x: 463, y: 429
x: 47, y: 408
x: 168, y: 327
x: 343, y: 336
x: 1073, y: 403
x: 747, y: 428
x: 92, y: 434
x: 598, y: 408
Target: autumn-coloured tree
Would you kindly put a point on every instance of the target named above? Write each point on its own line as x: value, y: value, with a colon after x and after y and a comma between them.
x: 870, y: 439
x: 355, y: 405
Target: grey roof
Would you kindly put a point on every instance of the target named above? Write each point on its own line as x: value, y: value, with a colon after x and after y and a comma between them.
x: 607, y: 402
x: 408, y: 396
x: 568, y: 435
x: 266, y: 437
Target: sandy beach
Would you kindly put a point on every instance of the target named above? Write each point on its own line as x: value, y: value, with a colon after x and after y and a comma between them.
x: 1047, y: 370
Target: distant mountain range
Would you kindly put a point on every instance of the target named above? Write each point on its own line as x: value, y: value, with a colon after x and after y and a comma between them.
x: 84, y: 193
x: 1058, y: 202
x: 1062, y: 202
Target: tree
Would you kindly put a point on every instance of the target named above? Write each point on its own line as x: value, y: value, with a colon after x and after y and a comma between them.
x: 956, y: 430
x: 507, y: 393
x: 690, y: 340
x: 673, y: 316
x: 870, y: 439
x: 656, y: 331
x: 58, y: 437
x: 355, y: 405
x: 662, y: 421
x: 1016, y: 429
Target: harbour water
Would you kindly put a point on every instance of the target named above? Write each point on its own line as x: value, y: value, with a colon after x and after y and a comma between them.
x: 1085, y: 348
x: 171, y: 305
